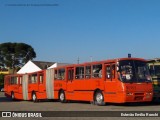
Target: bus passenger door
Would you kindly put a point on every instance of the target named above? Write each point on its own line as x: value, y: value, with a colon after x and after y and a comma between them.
x: 110, y: 83
x: 41, y: 85
x: 70, y: 81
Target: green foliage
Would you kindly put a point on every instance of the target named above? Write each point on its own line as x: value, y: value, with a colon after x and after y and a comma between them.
x: 15, y: 54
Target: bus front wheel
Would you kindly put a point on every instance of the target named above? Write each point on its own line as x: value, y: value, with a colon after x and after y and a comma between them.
x: 34, y: 97
x: 98, y: 98
x: 62, y: 97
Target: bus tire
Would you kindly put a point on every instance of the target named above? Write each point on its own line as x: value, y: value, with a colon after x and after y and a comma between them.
x: 62, y: 97
x: 34, y: 97
x: 99, y: 98
x: 12, y: 96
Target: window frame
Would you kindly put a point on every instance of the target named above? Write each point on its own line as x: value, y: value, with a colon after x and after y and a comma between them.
x: 79, y: 72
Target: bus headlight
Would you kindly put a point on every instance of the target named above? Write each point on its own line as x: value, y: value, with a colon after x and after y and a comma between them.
x: 149, y: 93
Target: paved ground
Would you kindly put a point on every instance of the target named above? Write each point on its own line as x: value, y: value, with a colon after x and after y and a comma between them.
x: 7, y: 104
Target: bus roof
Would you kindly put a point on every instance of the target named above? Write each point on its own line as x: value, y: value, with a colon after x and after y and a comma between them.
x: 102, y: 61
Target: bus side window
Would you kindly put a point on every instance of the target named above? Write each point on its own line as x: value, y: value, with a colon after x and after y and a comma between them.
x: 20, y: 80
x: 79, y: 73
x: 7, y: 80
x: 33, y: 78
x: 29, y: 79
x: 41, y: 78
x: 55, y: 75
x: 97, y: 71
x: 61, y: 74
x: 88, y: 72
x: 14, y: 80
x: 108, y: 72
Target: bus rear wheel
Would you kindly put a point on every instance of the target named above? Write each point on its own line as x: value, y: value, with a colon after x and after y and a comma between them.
x: 12, y: 96
x: 34, y: 97
x: 62, y: 97
x: 98, y: 98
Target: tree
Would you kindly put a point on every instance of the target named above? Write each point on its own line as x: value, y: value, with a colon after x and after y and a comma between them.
x: 13, y: 55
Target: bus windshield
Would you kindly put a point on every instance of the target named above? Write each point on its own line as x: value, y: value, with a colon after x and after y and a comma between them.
x: 133, y: 71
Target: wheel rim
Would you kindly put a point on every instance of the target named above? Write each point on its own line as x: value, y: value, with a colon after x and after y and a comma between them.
x: 34, y: 97
x: 12, y: 95
x: 62, y: 96
x: 99, y: 98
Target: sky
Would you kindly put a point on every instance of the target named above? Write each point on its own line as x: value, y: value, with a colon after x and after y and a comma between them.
x: 65, y: 30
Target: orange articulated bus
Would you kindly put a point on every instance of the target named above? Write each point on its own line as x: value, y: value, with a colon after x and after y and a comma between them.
x: 116, y: 81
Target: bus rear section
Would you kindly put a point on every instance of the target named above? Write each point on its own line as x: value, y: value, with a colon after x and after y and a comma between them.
x: 31, y: 86
x: 154, y: 68
x: 13, y: 86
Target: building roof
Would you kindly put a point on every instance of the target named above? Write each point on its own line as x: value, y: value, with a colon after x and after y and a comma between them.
x: 33, y: 66
x: 42, y: 64
x: 57, y: 64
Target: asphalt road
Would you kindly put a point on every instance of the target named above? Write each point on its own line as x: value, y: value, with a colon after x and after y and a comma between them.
x: 6, y: 104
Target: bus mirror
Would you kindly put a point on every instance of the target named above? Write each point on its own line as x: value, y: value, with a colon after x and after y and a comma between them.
x: 117, y: 68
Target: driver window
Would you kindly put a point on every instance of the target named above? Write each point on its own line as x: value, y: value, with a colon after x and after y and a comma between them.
x: 110, y: 71
x: 113, y: 71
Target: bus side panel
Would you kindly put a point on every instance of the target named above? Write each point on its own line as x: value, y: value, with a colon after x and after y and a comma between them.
x: 93, y: 84
x: 83, y: 89
x: 18, y: 96
x: 56, y: 94
x: 41, y: 95
x: 83, y: 95
x: 59, y: 85
x: 13, y: 88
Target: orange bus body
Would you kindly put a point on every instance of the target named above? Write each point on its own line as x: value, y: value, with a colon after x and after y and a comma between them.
x: 93, y: 81
x: 113, y: 90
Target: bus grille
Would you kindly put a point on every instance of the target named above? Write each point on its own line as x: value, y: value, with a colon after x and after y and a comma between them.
x: 139, y: 96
